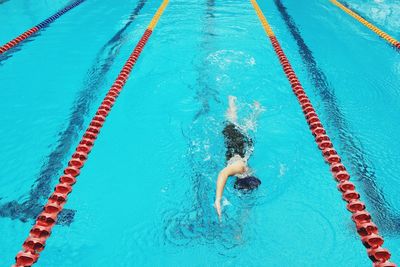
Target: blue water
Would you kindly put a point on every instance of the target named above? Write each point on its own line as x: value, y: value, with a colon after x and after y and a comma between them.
x: 144, y: 197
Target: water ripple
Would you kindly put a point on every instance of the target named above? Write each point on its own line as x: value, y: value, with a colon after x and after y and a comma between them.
x: 353, y: 149
x: 67, y: 138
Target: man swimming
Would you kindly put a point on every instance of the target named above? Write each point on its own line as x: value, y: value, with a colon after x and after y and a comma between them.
x: 239, y: 147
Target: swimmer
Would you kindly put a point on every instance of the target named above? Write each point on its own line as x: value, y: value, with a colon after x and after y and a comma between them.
x: 239, y: 147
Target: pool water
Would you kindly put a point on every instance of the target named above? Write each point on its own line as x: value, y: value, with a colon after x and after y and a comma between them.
x: 145, y: 196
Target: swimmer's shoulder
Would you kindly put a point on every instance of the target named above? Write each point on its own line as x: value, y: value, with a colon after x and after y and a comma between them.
x: 234, y: 168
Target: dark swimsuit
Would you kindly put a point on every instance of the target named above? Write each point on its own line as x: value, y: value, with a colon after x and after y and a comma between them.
x: 237, y: 143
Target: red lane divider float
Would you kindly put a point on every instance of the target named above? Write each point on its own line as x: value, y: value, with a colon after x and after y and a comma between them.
x: 39, y: 233
x: 38, y: 27
x: 41, y: 230
x: 367, y: 230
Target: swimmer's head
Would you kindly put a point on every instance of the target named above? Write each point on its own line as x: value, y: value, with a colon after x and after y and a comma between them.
x: 247, y: 183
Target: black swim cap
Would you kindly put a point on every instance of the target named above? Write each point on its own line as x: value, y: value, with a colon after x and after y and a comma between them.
x: 247, y: 183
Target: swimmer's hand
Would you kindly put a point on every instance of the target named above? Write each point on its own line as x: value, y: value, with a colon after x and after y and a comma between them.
x: 217, y: 206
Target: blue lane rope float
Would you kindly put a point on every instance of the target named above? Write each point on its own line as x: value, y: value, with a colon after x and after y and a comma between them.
x: 38, y: 27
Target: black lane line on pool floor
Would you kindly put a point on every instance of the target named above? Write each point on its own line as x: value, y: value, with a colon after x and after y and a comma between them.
x: 40, y: 191
x: 205, y: 92
x: 187, y: 224
x: 196, y: 223
x: 351, y: 145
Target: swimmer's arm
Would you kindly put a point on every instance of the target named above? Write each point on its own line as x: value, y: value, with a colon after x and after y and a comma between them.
x: 230, y: 170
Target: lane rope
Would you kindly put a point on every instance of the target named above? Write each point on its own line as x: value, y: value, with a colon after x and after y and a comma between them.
x: 41, y: 230
x: 354, y: 152
x: 38, y: 27
x: 367, y: 230
x: 367, y: 24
